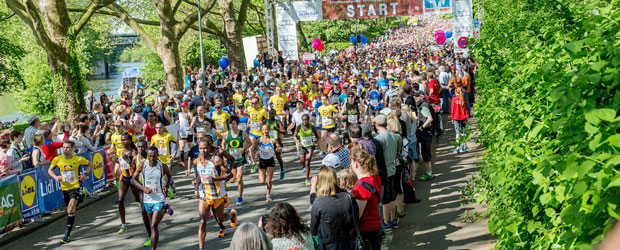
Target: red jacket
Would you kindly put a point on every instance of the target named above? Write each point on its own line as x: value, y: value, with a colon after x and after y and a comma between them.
x: 457, y: 112
x: 434, y: 85
x: 49, y: 147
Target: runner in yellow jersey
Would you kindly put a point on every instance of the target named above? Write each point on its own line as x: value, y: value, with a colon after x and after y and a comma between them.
x: 162, y: 141
x: 276, y: 102
x: 117, y: 145
x: 238, y: 96
x: 220, y: 119
x: 326, y: 118
x: 257, y: 116
x: 69, y: 167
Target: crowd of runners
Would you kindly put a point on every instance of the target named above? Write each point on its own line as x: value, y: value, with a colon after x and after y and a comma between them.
x: 370, y: 114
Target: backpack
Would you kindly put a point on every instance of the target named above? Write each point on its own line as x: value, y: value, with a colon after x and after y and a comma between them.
x: 370, y: 189
x: 28, y: 163
x: 435, y: 128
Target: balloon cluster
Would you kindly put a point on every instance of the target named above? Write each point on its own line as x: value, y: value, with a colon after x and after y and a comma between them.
x: 317, y: 44
x: 363, y: 39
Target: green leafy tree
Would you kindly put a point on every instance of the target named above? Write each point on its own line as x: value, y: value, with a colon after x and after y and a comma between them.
x: 10, y: 55
x: 547, y: 111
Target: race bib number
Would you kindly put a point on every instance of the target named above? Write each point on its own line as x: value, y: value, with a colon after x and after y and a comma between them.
x: 327, y: 121
x: 242, y: 126
x: 68, y: 176
x: 255, y: 126
x: 374, y: 102
x: 124, y: 166
x: 265, y: 153
x: 219, y: 127
x: 151, y: 185
x: 306, y: 141
x: 162, y: 150
x: 352, y: 119
x: 273, y: 133
x: 235, y: 152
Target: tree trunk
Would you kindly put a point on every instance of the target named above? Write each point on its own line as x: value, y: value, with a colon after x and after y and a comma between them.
x: 169, y: 54
x: 60, y: 63
x: 232, y: 39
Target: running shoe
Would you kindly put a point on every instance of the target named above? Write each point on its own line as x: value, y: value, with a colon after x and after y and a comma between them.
x: 394, y: 224
x: 147, y: 243
x: 387, y: 226
x: 65, y: 240
x: 239, y: 201
x: 170, y: 194
x: 427, y: 177
x: 307, y: 182
x: 221, y: 233
x: 122, y: 229
x: 297, y: 155
x: 282, y: 174
x: 322, y: 155
x: 268, y: 198
x: 253, y: 169
x: 233, y: 218
x: 456, y: 150
x: 169, y: 210
x: 461, y: 149
x: 181, y: 164
x: 209, y: 215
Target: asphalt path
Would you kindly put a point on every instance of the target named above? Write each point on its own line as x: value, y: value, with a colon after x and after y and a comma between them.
x: 435, y: 223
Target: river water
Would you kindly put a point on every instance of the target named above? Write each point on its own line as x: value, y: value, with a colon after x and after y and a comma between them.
x: 110, y: 85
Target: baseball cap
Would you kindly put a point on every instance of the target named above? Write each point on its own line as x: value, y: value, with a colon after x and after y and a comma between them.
x: 418, y: 93
x: 380, y: 120
x: 350, y: 94
x: 332, y: 161
x: 240, y: 105
x: 345, y: 85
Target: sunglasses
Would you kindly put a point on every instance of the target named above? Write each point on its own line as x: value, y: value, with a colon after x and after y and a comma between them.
x: 252, y: 103
x: 159, y: 127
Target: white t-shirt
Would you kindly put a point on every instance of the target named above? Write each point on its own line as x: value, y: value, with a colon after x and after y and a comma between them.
x: 298, y: 115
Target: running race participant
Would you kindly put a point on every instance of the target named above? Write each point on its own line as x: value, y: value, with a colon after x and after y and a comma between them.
x: 162, y: 141
x: 276, y: 102
x: 276, y: 130
x: 149, y: 126
x: 236, y: 144
x: 296, y: 119
x: 326, y: 114
x: 212, y: 175
x: 374, y: 101
x: 152, y: 172
x: 243, y: 118
x: 117, y: 145
x: 140, y: 158
x: 124, y: 168
x: 257, y: 116
x: 304, y: 133
x: 351, y: 114
x: 220, y: 119
x: 185, y: 132
x: 267, y: 147
x: 69, y: 166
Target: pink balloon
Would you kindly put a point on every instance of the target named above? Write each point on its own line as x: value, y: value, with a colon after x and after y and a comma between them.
x: 316, y: 43
x: 440, y: 37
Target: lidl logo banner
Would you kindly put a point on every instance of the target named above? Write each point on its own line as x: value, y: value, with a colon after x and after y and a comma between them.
x: 28, y: 192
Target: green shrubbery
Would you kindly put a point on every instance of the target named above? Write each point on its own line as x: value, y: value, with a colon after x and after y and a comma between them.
x: 547, y: 111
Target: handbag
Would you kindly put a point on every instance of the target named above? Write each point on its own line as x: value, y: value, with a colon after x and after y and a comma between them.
x: 360, y: 244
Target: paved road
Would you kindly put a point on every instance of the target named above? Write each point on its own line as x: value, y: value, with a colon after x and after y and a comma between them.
x: 434, y: 224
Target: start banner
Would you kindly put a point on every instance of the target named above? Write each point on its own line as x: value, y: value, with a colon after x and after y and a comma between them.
x: 349, y: 9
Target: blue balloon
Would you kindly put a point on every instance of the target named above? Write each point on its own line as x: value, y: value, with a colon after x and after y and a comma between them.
x: 223, y: 62
x: 448, y: 34
x: 364, y: 39
x: 353, y: 39
x: 313, y: 62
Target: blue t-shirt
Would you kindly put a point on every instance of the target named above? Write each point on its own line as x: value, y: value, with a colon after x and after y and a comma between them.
x: 375, y: 99
x: 382, y: 83
x: 342, y: 98
x: 138, y: 86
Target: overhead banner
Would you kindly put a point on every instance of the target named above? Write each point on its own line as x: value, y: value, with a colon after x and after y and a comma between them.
x: 349, y: 9
x: 437, y: 7
x: 462, y: 24
x: 301, y: 11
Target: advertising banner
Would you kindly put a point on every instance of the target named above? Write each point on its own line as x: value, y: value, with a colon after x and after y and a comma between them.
x: 302, y: 11
x: 95, y: 180
x: 437, y: 7
x: 29, y: 198
x: 10, y: 207
x: 48, y: 191
x: 463, y: 25
x: 287, y: 33
x: 349, y: 9
x: 109, y: 164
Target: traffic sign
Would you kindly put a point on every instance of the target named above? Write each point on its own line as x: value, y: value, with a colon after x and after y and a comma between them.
x: 463, y: 42
x: 476, y: 34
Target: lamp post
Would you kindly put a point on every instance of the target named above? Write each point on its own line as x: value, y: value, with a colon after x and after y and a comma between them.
x: 202, y: 59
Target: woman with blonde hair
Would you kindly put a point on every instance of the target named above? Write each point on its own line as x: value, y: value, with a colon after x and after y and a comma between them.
x: 333, y: 212
x: 250, y: 237
x: 367, y: 192
x: 347, y: 179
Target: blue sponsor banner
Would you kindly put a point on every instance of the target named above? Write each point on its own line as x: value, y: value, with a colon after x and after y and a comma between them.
x: 48, y: 190
x: 95, y: 180
x: 28, y: 191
